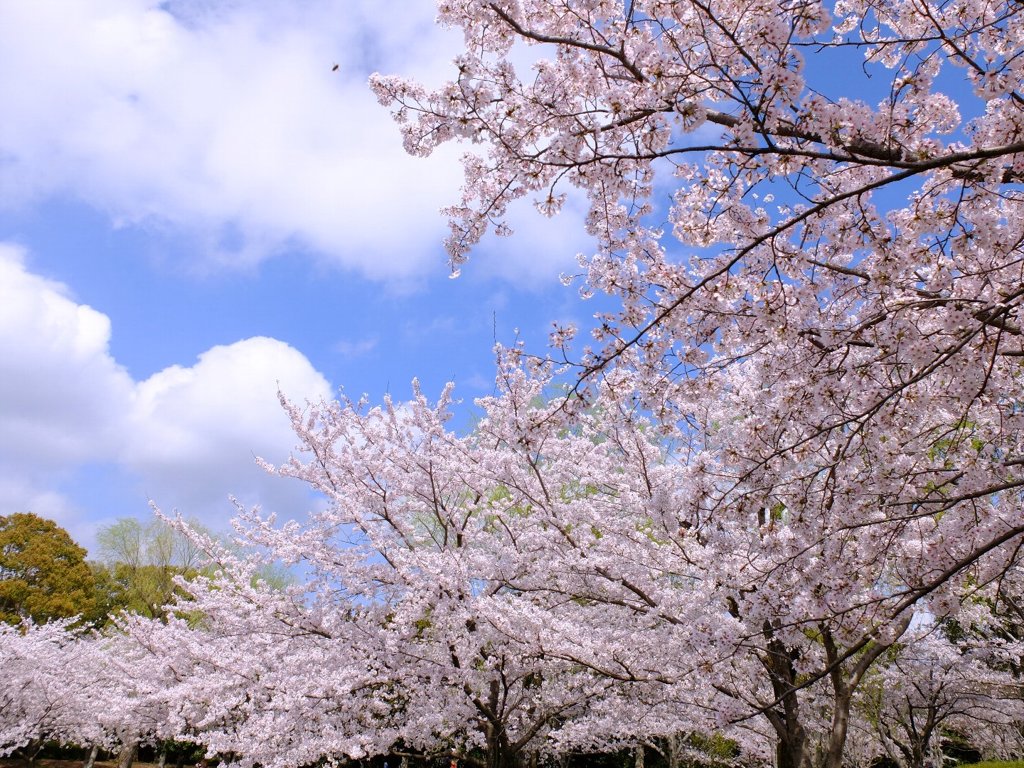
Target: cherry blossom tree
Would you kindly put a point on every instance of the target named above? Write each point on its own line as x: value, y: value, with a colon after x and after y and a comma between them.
x: 819, y: 284
x: 552, y: 581
x: 73, y: 686
x: 540, y: 584
x: 931, y: 684
x: 259, y: 680
x: 404, y: 639
x: 39, y: 699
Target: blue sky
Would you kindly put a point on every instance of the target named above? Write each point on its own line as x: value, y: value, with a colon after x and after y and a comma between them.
x: 194, y: 208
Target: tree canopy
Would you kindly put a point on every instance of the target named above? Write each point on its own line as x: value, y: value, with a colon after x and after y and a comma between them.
x: 817, y: 286
x: 43, y: 573
x: 139, y: 562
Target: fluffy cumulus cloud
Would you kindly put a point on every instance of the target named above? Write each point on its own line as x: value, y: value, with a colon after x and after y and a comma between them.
x: 62, y: 397
x: 541, y: 248
x: 185, y: 437
x: 226, y: 121
x: 198, y: 429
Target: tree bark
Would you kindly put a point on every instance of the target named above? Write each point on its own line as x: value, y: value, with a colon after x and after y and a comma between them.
x: 791, y: 751
x: 129, y: 751
x: 90, y: 761
x: 499, y: 753
x: 33, y: 748
x: 844, y: 684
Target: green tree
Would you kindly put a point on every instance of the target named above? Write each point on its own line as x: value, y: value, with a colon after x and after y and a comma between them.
x: 43, y: 573
x: 139, y: 563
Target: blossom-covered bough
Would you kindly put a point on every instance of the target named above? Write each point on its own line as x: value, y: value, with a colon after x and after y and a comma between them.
x: 35, y: 701
x: 819, y: 279
x: 544, y: 584
x: 404, y: 638
x: 66, y: 684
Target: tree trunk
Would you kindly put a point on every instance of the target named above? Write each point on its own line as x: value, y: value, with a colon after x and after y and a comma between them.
x: 90, y: 761
x: 499, y: 753
x: 840, y: 725
x: 162, y: 760
x: 791, y: 751
x: 129, y: 751
x: 673, y: 751
x: 791, y: 747
x: 33, y: 748
x: 500, y: 756
x: 638, y: 756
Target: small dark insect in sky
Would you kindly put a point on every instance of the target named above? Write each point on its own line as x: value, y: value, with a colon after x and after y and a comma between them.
x: 334, y: 68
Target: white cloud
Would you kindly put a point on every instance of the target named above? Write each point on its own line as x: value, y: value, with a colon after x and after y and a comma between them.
x: 223, y: 121
x: 62, y: 397
x: 185, y: 437
x: 19, y: 494
x: 226, y: 121
x: 197, y: 430
x: 541, y: 248
x: 348, y: 348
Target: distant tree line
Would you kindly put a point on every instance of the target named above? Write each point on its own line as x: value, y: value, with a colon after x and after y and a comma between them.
x: 45, y: 575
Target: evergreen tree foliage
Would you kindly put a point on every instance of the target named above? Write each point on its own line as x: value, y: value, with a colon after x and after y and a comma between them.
x: 43, y: 573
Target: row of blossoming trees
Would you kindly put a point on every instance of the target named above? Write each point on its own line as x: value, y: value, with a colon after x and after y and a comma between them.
x: 546, y: 585
x: 779, y: 497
